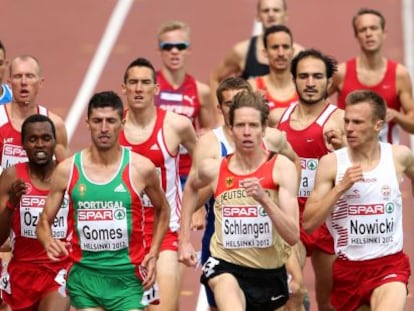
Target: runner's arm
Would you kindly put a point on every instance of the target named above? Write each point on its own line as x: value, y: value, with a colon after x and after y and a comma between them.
x: 404, y: 118
x: 54, y: 248
x: 6, y: 207
x: 326, y: 193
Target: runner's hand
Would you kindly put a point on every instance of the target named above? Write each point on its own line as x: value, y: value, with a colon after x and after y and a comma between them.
x: 56, y: 249
x: 187, y: 255
x: 148, y: 271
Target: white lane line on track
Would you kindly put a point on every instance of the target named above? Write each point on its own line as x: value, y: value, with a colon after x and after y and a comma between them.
x: 408, y: 41
x: 202, y: 303
x: 97, y: 65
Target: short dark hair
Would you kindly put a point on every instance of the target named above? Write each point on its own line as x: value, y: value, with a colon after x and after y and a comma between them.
x: 141, y: 62
x: 106, y: 99
x: 2, y: 47
x: 330, y: 63
x: 275, y: 29
x: 376, y: 101
x: 249, y: 99
x: 364, y: 11
x: 231, y: 83
x: 35, y: 118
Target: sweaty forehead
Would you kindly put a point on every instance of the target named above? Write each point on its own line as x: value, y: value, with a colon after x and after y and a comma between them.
x: 176, y: 35
x: 38, y: 128
x: 263, y: 4
x: 311, y: 64
x: 279, y: 37
x: 368, y: 18
x: 141, y: 73
x: 247, y: 114
x: 25, y: 65
x: 104, y: 113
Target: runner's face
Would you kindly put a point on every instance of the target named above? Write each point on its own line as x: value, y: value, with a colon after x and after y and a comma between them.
x: 140, y: 88
x: 104, y: 124
x: 247, y: 130
x: 369, y: 33
x: 225, y: 105
x: 25, y: 80
x: 360, y: 125
x: 279, y: 51
x: 311, y: 81
x: 271, y: 12
x: 39, y: 143
x: 174, y: 59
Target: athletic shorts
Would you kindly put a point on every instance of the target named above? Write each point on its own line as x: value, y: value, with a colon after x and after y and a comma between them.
x: 115, y: 290
x: 320, y: 240
x: 26, y: 284
x: 354, y: 281
x: 169, y: 242
x: 205, y: 247
x: 264, y: 289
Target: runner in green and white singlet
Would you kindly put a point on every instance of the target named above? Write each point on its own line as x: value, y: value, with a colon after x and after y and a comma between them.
x: 105, y: 181
x: 107, y: 219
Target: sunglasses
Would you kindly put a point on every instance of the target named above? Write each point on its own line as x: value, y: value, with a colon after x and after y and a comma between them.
x: 168, y: 46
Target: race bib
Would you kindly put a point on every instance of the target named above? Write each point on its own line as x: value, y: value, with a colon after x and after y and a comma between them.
x: 151, y: 296
x: 146, y: 202
x: 5, y: 282
x: 61, y: 280
x: 371, y: 224
x: 31, y: 206
x: 103, y: 229
x: 307, y: 181
x: 245, y: 227
x: 12, y: 154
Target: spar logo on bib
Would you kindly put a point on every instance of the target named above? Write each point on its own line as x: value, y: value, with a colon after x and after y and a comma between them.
x: 119, y: 214
x: 389, y: 208
x: 262, y: 211
x: 95, y: 214
x: 240, y: 211
x: 32, y: 201
x: 309, y: 164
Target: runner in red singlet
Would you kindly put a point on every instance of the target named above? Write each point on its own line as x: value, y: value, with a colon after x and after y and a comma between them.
x: 373, y: 71
x: 32, y: 282
x: 158, y: 134
x: 313, y: 128
x: 278, y: 85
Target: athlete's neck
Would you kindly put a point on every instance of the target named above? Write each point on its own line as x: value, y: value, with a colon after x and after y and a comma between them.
x: 374, y: 61
x: 175, y: 78
x: 40, y: 174
x: 366, y: 155
x: 103, y: 157
x: 312, y: 110
x: 228, y: 135
x: 142, y: 117
x: 246, y: 163
x: 279, y: 79
x: 20, y: 111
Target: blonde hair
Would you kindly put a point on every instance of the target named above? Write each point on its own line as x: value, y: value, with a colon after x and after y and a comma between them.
x: 173, y: 25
